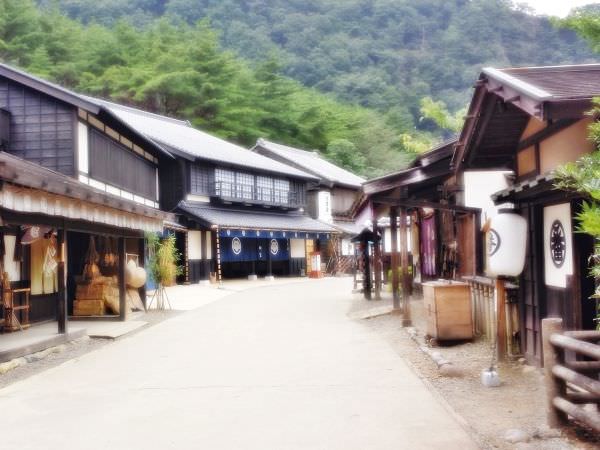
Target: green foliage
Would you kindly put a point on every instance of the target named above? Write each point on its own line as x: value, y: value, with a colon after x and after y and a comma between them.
x: 375, y: 53
x: 437, y: 112
x: 163, y: 258
x: 179, y: 69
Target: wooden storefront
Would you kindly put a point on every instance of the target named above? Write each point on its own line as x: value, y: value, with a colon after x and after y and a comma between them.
x: 531, y: 121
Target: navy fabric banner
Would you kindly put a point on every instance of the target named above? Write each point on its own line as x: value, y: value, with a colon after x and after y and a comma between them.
x: 278, y: 249
x: 236, y: 249
x: 245, y: 249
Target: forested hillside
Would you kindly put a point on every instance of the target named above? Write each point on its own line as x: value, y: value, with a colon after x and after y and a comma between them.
x: 381, y: 54
x: 360, y: 80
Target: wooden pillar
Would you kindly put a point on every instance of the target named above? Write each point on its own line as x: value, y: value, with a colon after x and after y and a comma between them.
x: 377, y: 260
x: 142, y: 258
x: 217, y: 253
x: 406, y: 319
x: 187, y: 257
x: 554, y: 386
x: 122, y: 288
x: 366, y: 270
x: 61, y: 310
x: 500, y: 318
x: 394, y: 257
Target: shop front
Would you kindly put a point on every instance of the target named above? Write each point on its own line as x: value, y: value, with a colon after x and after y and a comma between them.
x: 62, y: 243
x: 250, y: 243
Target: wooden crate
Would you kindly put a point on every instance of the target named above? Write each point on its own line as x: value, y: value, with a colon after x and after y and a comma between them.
x: 89, y: 308
x: 448, y: 308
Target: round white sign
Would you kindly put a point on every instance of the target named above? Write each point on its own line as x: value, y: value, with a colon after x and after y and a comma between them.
x: 274, y: 246
x: 236, y: 245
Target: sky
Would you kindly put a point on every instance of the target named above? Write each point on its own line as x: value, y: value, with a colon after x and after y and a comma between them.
x: 555, y: 7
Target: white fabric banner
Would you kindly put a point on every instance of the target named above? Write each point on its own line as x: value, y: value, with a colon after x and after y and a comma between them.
x: 558, y: 244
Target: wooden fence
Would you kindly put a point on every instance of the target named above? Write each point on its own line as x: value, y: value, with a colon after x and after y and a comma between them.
x: 571, y: 368
x: 487, y: 322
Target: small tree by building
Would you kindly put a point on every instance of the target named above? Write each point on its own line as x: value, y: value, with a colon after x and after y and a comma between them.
x: 163, y: 267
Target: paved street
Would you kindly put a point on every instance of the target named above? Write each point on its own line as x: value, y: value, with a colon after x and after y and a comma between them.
x: 277, y: 367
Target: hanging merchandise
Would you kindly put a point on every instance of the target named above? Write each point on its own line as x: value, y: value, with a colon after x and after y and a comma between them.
x: 507, y: 242
x: 90, y: 270
x: 50, y: 265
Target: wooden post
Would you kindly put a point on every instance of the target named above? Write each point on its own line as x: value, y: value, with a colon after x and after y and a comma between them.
x: 554, y: 386
x: 122, y: 288
x: 142, y: 257
x: 406, y: 319
x: 62, y: 283
x: 500, y: 318
x: 366, y: 270
x: 394, y: 257
x: 187, y: 257
x: 377, y: 259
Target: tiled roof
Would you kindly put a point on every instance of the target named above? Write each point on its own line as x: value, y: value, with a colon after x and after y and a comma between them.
x: 311, y: 162
x: 552, y: 82
x: 180, y: 137
x: 252, y: 219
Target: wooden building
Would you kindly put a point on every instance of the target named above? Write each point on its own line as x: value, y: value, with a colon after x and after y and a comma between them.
x: 243, y: 213
x: 529, y: 121
x: 332, y: 200
x: 430, y: 235
x: 72, y: 174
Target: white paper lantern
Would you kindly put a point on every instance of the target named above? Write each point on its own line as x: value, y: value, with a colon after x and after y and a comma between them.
x: 507, y: 242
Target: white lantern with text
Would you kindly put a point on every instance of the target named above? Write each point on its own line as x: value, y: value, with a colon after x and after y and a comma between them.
x: 507, y: 242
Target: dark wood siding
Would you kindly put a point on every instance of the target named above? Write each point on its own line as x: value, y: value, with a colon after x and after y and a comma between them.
x: 114, y: 164
x: 41, y: 127
x: 172, y: 183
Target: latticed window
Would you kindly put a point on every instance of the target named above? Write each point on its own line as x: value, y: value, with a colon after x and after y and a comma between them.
x: 281, y: 191
x: 264, y: 189
x: 244, y: 185
x: 224, y: 181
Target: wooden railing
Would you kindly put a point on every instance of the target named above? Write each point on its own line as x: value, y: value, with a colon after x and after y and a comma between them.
x: 571, y: 369
x: 487, y: 323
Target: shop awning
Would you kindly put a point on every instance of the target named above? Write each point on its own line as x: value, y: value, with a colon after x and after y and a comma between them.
x: 252, y: 223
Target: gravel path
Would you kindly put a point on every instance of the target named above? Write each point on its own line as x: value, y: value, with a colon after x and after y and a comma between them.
x: 519, y: 403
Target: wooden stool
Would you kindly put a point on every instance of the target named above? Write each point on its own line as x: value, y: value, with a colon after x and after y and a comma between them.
x: 11, y: 321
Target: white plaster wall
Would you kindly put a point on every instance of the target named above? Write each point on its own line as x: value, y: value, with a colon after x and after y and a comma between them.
x: 194, y: 244
x: 479, y: 187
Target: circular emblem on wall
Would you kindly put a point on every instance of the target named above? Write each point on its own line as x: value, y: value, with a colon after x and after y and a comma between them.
x: 274, y: 246
x: 236, y: 246
x: 558, y: 243
x: 494, y: 242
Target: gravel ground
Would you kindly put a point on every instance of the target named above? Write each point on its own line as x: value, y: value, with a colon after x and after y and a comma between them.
x: 519, y: 403
x: 75, y: 349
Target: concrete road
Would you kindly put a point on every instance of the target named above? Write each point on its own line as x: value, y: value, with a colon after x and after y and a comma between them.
x: 279, y: 367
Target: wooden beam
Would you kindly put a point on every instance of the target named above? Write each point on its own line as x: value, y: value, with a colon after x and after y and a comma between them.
x: 545, y: 133
x: 406, y: 319
x: 61, y: 310
x: 501, y: 318
x: 413, y: 203
x: 377, y: 263
x: 394, y: 257
x: 121, y: 278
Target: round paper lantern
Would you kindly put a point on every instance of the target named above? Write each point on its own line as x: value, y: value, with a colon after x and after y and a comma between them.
x: 507, y: 242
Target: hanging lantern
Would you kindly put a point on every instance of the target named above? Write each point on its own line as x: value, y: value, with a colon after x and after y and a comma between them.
x: 507, y: 242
